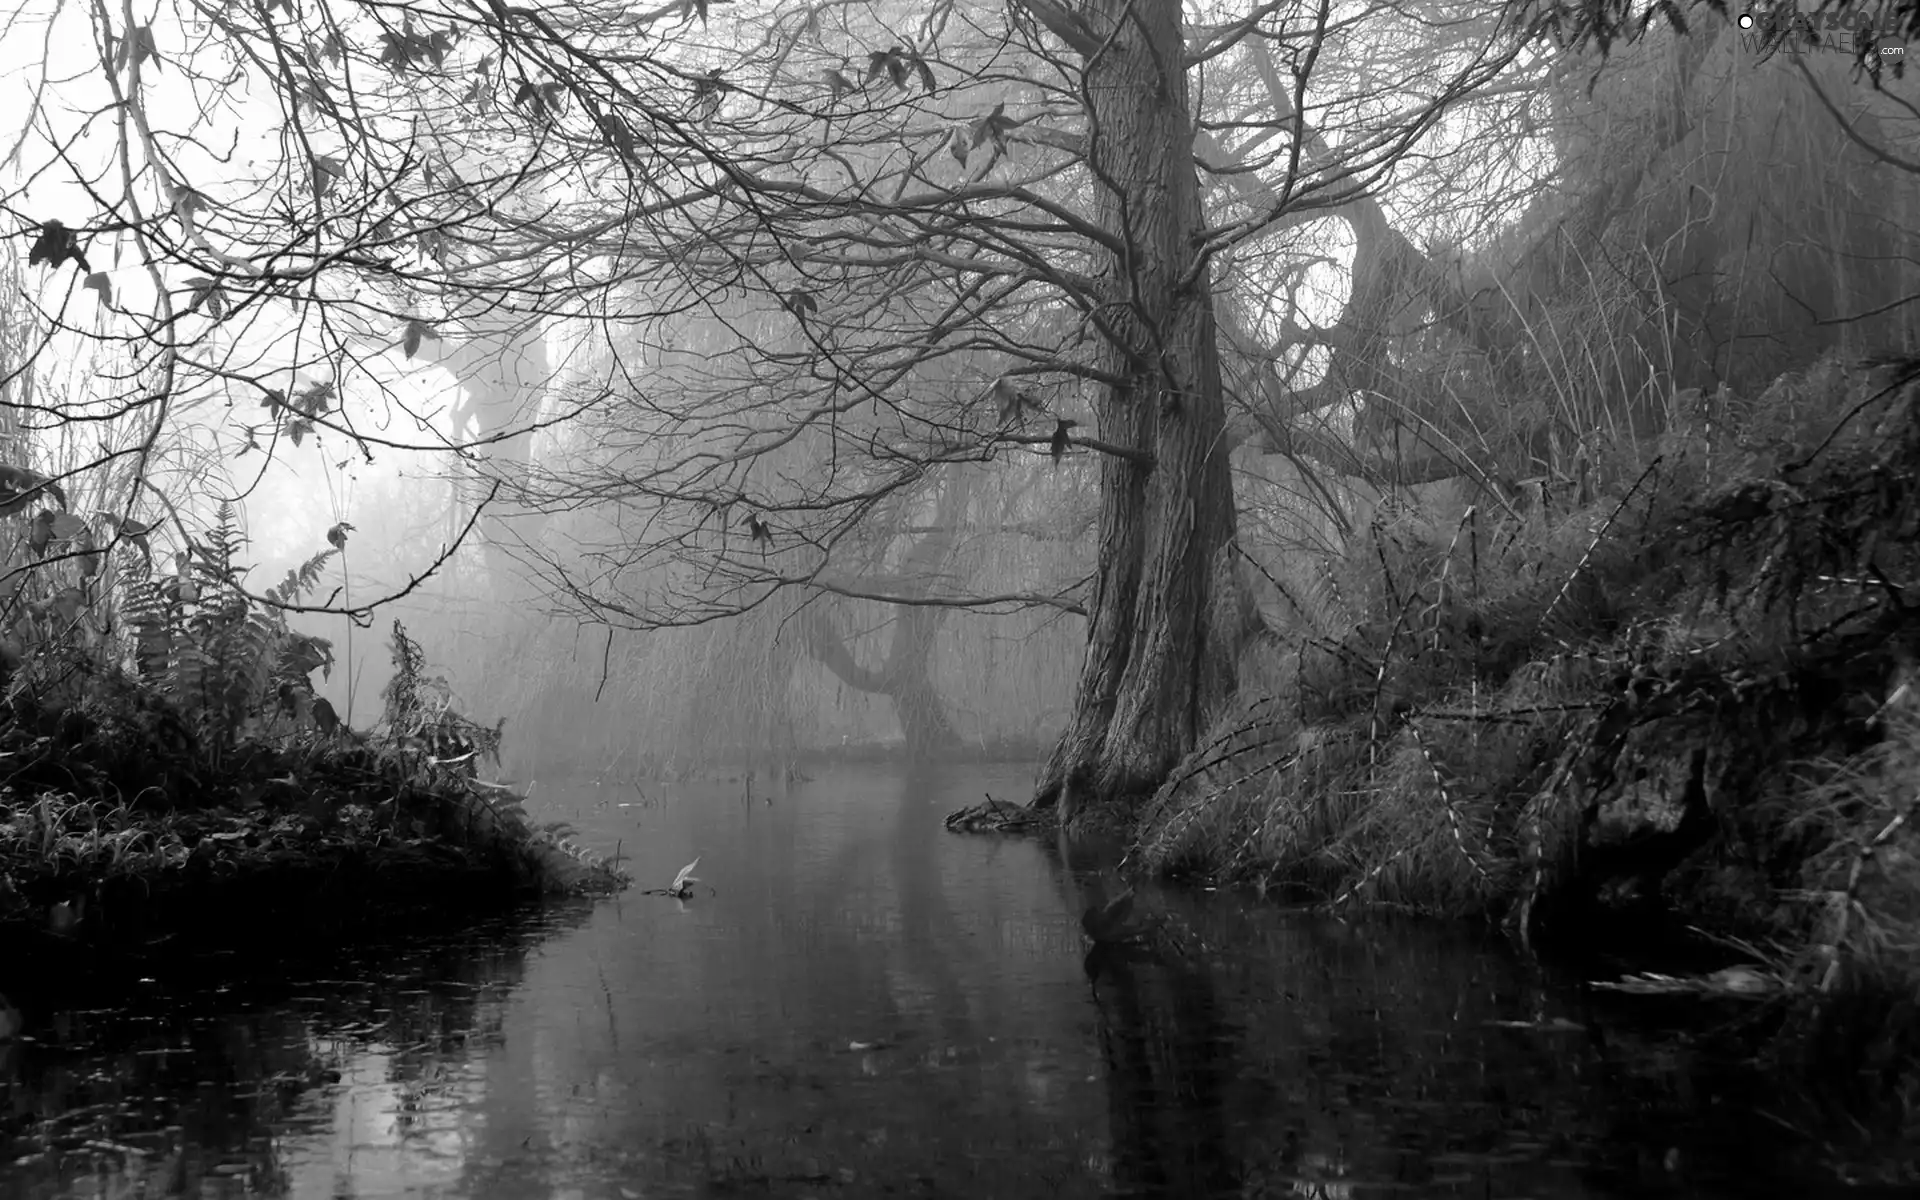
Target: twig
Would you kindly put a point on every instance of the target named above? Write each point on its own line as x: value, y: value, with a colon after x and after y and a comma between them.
x: 1831, y: 950
x: 362, y: 615
x: 1446, y: 800
x: 1598, y: 537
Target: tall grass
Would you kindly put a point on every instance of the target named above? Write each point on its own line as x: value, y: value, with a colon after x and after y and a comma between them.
x: 1454, y: 719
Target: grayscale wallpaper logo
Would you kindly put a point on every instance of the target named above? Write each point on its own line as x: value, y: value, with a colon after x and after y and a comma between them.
x: 1786, y: 27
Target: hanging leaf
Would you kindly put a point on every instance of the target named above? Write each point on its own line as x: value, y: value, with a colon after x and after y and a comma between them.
x: 957, y: 146
x: 926, y: 73
x: 337, y: 536
x: 316, y: 400
x: 1058, y: 445
x: 709, y: 86
x: 69, y: 535
x: 838, y: 85
x: 40, y: 532
x: 133, y: 531
x: 801, y: 303
x: 994, y: 125
x: 99, y: 282
x: 144, y: 47
x: 309, y: 97
x: 204, y: 291
x: 417, y: 331
x: 618, y: 135
x: 55, y: 245
x: 189, y: 203
x: 299, y: 429
x: 394, y: 51
x: 21, y: 486
x: 326, y: 169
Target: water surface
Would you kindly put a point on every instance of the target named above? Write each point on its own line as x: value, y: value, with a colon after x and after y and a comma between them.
x: 857, y: 1003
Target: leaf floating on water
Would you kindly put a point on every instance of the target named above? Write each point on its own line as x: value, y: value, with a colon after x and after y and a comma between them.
x: 1732, y: 981
x: 682, y: 882
x: 1544, y: 1025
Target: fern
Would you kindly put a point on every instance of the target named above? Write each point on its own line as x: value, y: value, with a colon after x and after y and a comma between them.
x: 302, y: 579
x: 419, y: 716
x: 223, y: 660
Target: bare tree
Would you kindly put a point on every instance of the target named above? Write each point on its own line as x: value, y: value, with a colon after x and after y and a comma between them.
x: 806, y: 258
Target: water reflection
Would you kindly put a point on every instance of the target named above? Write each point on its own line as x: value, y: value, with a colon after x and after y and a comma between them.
x: 865, y: 1005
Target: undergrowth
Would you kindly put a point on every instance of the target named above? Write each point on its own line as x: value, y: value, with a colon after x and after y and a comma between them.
x: 164, y: 728
x: 1690, y: 698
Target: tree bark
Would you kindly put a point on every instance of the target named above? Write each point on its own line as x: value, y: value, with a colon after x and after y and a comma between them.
x: 1160, y: 654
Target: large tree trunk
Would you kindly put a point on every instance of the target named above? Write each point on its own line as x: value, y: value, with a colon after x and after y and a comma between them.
x: 1160, y: 656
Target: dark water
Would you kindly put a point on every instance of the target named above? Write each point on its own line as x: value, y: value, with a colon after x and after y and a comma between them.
x: 866, y: 1005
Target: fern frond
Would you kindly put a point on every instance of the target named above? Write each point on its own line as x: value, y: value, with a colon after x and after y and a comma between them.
x: 302, y: 579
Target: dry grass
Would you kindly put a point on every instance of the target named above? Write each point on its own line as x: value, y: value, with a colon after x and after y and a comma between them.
x: 1449, y: 704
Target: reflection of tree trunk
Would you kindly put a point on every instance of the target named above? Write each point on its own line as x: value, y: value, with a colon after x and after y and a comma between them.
x: 1166, y: 1046
x: 1159, y: 661
x: 937, y: 955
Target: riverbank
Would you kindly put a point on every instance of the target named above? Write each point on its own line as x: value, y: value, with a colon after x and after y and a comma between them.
x: 318, y: 840
x: 1684, y: 703
x: 135, y: 830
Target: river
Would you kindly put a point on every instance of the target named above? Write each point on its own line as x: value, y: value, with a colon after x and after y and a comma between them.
x: 857, y: 1003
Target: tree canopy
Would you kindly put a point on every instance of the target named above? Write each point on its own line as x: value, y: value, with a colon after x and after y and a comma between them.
x: 770, y: 281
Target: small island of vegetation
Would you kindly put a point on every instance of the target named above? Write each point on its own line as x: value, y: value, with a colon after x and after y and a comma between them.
x: 180, y: 784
